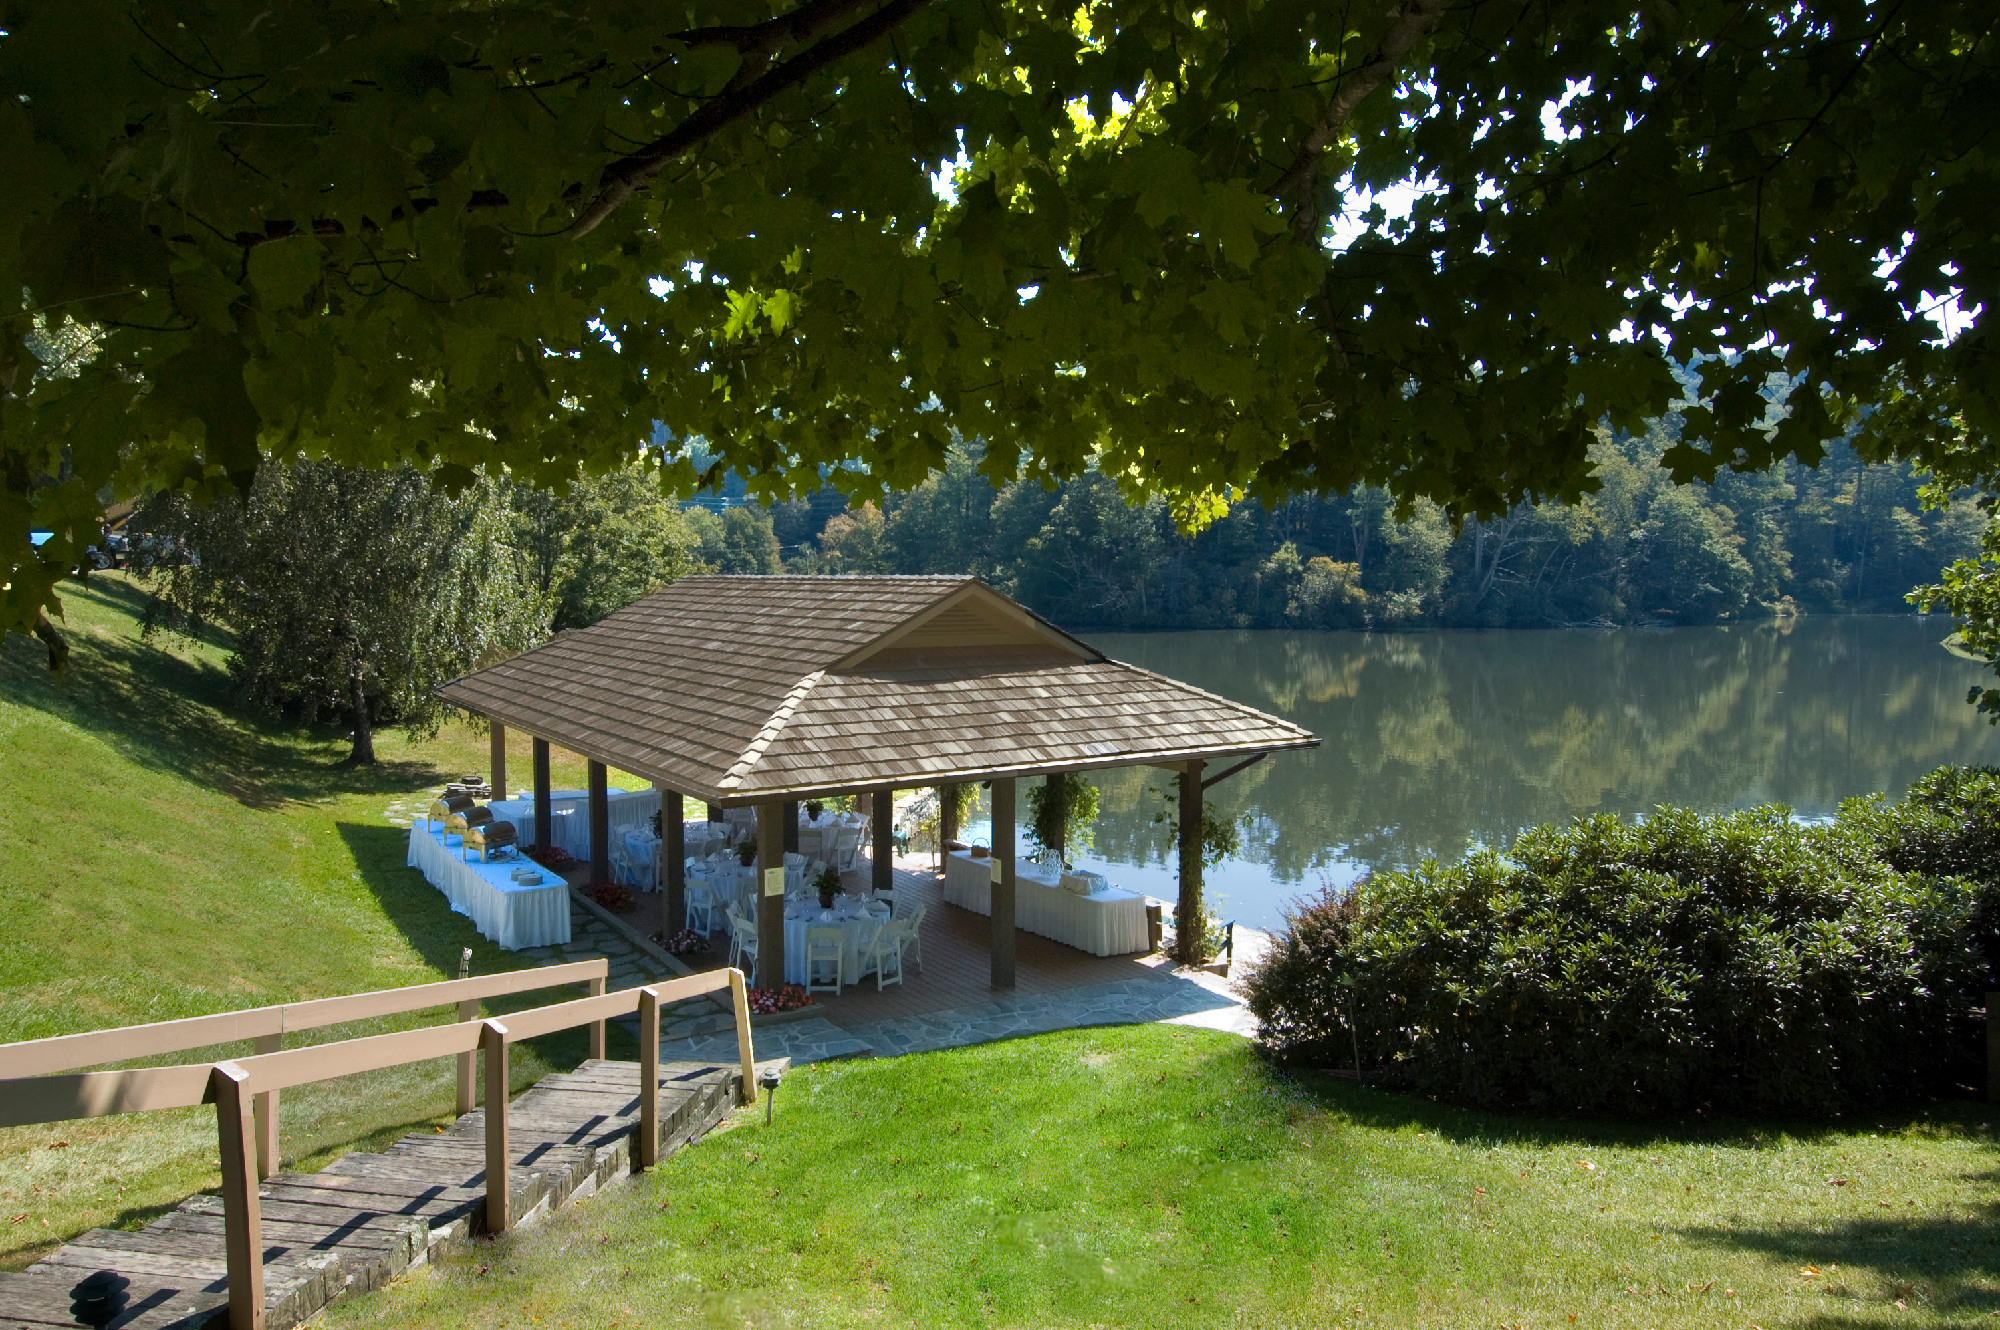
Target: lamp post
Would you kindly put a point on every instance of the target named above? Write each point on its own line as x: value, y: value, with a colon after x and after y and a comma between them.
x: 768, y: 1079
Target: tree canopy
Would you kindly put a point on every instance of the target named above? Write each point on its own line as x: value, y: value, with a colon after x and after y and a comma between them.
x: 1255, y: 246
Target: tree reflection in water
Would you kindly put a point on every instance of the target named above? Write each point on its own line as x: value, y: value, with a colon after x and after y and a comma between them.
x: 1436, y: 741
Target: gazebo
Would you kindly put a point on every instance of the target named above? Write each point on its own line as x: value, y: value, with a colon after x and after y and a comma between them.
x: 764, y: 691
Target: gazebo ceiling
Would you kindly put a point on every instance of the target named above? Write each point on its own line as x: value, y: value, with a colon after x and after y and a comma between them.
x: 747, y: 689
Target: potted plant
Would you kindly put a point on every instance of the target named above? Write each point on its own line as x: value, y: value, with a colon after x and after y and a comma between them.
x: 746, y: 853
x: 828, y: 886
x: 814, y: 808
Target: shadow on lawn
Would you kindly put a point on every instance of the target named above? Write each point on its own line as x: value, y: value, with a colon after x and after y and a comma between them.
x: 170, y: 714
x: 1935, y: 1258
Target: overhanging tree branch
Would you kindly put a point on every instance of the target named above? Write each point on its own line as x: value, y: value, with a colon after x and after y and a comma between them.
x: 1414, y: 21
x: 628, y: 174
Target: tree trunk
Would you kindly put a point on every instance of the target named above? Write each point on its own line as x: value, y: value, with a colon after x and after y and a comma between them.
x: 364, y: 728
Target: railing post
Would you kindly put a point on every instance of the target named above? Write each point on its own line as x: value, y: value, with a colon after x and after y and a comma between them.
x: 242, y: 1220
x: 493, y: 1042
x: 468, y: 1010
x: 649, y: 1077
x: 739, y: 999
x: 264, y: 1109
x: 597, y: 1027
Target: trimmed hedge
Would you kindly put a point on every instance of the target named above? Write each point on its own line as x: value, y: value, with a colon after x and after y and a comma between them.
x: 1739, y: 962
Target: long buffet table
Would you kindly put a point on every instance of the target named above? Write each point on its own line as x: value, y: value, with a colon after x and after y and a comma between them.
x: 1112, y: 922
x: 570, y: 811
x: 503, y: 910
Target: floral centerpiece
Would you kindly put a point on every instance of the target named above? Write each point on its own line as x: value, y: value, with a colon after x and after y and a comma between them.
x: 827, y: 884
x: 770, y: 1001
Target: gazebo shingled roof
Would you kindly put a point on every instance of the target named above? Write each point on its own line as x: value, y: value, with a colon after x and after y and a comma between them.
x: 744, y: 690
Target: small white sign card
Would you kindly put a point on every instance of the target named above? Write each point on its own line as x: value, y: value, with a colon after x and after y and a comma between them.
x: 774, y: 882
x: 993, y: 869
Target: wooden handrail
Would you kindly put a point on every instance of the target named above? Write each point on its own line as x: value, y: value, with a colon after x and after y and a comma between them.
x: 69, y: 1052
x: 233, y: 1084
x: 100, y: 1094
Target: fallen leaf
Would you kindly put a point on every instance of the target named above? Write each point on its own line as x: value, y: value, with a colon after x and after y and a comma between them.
x: 1810, y: 1273
x: 1585, y: 1163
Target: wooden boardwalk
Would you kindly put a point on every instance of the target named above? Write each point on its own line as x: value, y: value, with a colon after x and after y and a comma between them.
x: 367, y: 1218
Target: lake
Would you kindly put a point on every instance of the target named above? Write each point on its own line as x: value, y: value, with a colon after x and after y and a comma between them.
x: 1434, y: 742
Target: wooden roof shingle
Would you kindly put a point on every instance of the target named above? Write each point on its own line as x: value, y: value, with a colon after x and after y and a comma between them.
x: 747, y: 689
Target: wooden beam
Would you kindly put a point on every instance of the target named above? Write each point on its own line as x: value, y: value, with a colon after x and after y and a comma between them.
x: 770, y: 908
x: 496, y: 754
x: 544, y: 833
x: 242, y: 1220
x: 493, y: 1043
x: 1227, y: 772
x: 597, y: 1026
x: 649, y: 1078
x: 791, y: 819
x: 739, y: 1003
x: 882, y: 834
x: 673, y: 834
x: 947, y: 817
x: 600, y: 824
x: 264, y: 1109
x: 467, y: 1011
x: 1003, y: 891
x: 1189, y: 919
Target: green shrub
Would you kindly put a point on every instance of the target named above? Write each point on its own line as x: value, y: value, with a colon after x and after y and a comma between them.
x: 1741, y: 962
x: 1949, y: 826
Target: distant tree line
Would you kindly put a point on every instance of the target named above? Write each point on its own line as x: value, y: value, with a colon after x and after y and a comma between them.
x: 1846, y: 536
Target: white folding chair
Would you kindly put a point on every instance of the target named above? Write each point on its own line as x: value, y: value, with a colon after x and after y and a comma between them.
x: 823, y: 945
x: 888, y: 898
x: 846, y: 842
x: 742, y: 943
x: 700, y: 909
x: 885, y: 953
x: 913, y: 938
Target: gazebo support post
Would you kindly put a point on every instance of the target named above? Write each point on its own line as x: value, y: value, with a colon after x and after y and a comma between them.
x: 791, y: 826
x: 496, y: 759
x: 770, y: 909
x: 544, y: 832
x: 1189, y: 920
x: 947, y: 817
x: 882, y: 851
x: 673, y: 831
x: 600, y: 826
x: 1003, y: 890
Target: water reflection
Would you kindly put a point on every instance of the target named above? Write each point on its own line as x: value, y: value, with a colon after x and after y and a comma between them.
x: 1437, y: 741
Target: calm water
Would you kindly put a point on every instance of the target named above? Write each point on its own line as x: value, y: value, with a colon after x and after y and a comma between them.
x: 1436, y: 741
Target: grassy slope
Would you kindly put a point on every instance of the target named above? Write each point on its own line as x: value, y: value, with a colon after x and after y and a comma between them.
x: 1161, y: 1176
x: 166, y: 857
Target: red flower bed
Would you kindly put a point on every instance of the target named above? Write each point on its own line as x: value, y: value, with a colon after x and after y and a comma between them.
x: 769, y: 1001
x: 553, y: 857
x: 612, y: 896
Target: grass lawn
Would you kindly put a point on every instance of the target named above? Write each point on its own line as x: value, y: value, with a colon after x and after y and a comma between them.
x: 168, y: 857
x: 1161, y: 1176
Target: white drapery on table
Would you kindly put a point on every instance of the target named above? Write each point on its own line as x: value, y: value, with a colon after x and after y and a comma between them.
x: 629, y: 810
x: 500, y: 908
x: 858, y: 923
x: 1110, y: 923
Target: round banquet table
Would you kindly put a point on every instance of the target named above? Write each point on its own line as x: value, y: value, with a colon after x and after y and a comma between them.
x: 858, y: 922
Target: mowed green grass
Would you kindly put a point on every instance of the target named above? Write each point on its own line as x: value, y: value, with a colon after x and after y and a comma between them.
x: 163, y: 855
x: 1162, y: 1176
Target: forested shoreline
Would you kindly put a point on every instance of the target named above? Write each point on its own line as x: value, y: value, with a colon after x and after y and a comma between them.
x: 1844, y: 537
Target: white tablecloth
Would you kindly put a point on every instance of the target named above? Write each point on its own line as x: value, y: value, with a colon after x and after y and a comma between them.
x: 628, y: 810
x: 500, y: 908
x: 1110, y: 923
x: 857, y: 933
